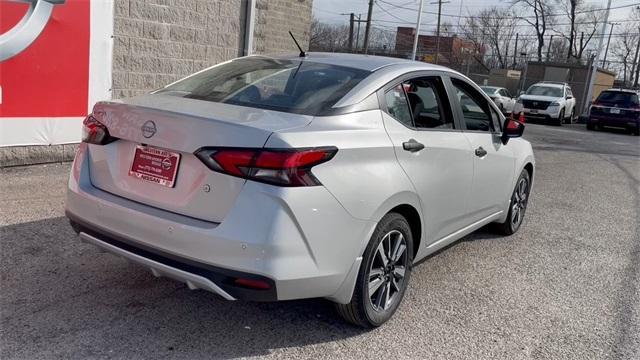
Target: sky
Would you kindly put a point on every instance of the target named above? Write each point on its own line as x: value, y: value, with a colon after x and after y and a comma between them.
x: 330, y: 11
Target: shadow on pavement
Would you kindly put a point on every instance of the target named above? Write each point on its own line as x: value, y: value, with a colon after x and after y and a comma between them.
x: 61, y: 297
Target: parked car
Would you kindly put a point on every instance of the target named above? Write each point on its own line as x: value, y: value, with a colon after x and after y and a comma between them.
x: 547, y: 101
x: 501, y: 97
x: 286, y: 177
x: 618, y: 108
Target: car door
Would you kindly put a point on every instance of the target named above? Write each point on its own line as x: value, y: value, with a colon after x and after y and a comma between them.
x: 508, y: 100
x: 431, y: 149
x: 571, y: 102
x: 493, y: 162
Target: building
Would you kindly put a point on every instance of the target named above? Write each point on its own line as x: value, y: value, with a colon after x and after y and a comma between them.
x: 89, y: 51
x: 453, y: 49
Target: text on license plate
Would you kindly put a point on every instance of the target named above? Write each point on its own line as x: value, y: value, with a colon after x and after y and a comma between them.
x: 155, y: 165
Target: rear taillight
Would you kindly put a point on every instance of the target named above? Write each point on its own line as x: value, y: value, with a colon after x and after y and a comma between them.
x: 283, y: 167
x: 94, y: 132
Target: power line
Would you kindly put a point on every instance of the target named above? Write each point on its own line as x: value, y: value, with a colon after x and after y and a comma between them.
x: 503, y: 18
x: 390, y: 14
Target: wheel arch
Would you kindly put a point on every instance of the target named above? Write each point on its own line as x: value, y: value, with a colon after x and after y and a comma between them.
x: 407, y: 204
x: 529, y: 167
x: 412, y: 216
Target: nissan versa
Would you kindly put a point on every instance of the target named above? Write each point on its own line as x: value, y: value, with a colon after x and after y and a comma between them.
x: 277, y: 178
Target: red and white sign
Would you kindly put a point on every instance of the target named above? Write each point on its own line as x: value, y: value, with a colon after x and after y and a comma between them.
x: 54, y: 65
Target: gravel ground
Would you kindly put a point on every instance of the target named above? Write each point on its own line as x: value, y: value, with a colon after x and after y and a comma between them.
x: 565, y: 287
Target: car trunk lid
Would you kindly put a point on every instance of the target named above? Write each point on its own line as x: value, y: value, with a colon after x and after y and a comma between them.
x: 179, y: 126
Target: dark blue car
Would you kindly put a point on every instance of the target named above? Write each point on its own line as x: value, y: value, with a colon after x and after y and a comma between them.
x: 617, y: 108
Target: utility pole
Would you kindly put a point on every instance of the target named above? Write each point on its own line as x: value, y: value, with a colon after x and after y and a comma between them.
x: 549, y: 48
x: 604, y: 60
x: 515, y: 52
x: 635, y: 82
x: 594, y: 70
x: 459, y: 17
x: 415, y: 38
x: 351, y: 19
x: 439, y: 2
x: 358, y: 34
x: 367, y: 30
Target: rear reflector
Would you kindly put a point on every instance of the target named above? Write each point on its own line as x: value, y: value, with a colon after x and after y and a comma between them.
x: 283, y: 167
x: 252, y: 284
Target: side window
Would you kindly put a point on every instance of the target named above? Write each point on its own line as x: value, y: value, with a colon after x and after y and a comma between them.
x: 475, y: 109
x: 569, y: 91
x: 505, y: 93
x: 397, y: 105
x: 429, y: 104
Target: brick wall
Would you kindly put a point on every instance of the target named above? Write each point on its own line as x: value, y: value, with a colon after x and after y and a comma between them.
x: 275, y: 18
x: 156, y: 42
x: 159, y: 41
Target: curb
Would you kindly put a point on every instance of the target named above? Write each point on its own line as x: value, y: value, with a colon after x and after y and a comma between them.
x: 36, y: 154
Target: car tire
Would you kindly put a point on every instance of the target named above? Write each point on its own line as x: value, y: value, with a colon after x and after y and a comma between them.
x: 372, y: 310
x: 636, y: 131
x: 591, y: 127
x: 517, y: 205
x: 572, y: 116
x: 560, y: 119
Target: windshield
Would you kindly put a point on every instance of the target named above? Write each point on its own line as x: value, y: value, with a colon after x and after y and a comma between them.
x: 618, y: 98
x: 490, y: 90
x: 283, y: 85
x: 545, y: 91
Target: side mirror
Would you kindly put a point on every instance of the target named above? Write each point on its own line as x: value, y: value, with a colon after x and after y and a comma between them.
x: 511, y: 129
x: 521, y: 92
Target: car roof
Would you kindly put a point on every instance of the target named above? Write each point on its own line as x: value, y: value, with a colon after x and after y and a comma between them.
x: 359, y: 61
x: 550, y: 84
x: 630, y: 91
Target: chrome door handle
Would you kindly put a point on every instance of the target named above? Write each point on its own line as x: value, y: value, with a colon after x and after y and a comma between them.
x: 480, y: 152
x: 412, y: 145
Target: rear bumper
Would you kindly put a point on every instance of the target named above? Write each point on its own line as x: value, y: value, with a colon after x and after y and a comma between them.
x: 277, y: 235
x: 620, y: 122
x: 196, y: 275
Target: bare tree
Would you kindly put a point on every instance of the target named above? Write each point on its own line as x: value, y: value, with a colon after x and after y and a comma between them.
x: 328, y: 37
x: 492, y: 29
x: 624, y: 49
x: 584, y: 22
x: 335, y: 37
x: 540, y: 19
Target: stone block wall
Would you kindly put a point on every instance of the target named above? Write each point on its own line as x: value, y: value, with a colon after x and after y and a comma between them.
x: 275, y: 18
x: 156, y: 42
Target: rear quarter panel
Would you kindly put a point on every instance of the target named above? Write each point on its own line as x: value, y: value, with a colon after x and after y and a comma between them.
x: 364, y: 176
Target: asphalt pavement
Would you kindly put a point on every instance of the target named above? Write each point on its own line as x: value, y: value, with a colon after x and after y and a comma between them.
x: 567, y: 286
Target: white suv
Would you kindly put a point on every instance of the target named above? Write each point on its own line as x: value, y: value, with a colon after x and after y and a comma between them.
x: 548, y: 101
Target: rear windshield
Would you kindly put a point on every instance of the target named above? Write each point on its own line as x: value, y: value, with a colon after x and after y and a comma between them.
x: 619, y: 98
x: 545, y: 91
x: 284, y: 85
x: 488, y: 89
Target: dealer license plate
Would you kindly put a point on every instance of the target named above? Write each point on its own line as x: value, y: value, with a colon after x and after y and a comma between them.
x: 155, y: 165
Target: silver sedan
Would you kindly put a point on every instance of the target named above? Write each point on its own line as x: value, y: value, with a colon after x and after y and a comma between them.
x: 285, y: 177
